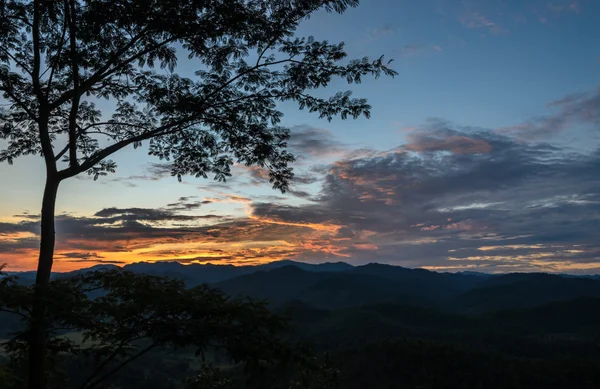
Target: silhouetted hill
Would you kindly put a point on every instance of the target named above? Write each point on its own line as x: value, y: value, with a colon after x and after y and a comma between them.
x: 340, y: 285
x: 350, y: 290
x: 520, y: 290
x: 277, y: 285
x: 374, y: 284
x: 330, y: 289
x: 319, y: 267
x: 195, y: 274
x: 420, y: 281
x: 581, y: 314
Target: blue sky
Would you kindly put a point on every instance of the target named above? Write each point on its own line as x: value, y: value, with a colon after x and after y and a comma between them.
x: 457, y: 149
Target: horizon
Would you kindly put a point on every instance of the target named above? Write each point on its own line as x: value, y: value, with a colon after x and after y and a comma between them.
x: 482, y: 155
x: 295, y: 263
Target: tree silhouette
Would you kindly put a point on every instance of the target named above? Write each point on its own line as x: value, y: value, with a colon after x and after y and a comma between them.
x: 59, y: 57
x: 121, y: 316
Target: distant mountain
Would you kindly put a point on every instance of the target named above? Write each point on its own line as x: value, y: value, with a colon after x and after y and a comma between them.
x: 574, y: 323
x: 420, y: 281
x: 377, y: 284
x: 475, y: 273
x: 524, y: 290
x: 195, y: 274
x: 340, y: 285
x: 363, y: 285
x: 277, y: 285
x: 319, y: 267
x: 558, y: 317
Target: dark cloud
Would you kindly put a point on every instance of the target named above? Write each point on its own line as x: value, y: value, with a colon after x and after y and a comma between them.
x: 313, y: 142
x: 96, y: 261
x: 306, y: 178
x: 187, y: 204
x: 141, y: 214
x: 79, y: 255
x: 159, y: 170
x: 581, y: 108
x: 154, y: 172
x: 448, y: 140
x: 301, y: 194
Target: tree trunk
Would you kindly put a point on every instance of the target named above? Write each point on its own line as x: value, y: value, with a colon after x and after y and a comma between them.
x: 38, y: 335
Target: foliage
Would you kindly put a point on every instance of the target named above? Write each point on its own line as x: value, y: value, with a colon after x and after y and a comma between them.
x: 209, y: 377
x: 121, y: 316
x: 59, y: 58
x: 412, y: 364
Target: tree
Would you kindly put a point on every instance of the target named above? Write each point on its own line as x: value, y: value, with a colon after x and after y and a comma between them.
x: 209, y: 377
x: 58, y: 57
x: 121, y: 316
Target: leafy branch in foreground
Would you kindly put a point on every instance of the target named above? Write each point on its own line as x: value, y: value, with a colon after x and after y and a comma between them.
x: 121, y: 316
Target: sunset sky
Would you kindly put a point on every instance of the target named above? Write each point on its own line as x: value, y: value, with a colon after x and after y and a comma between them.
x: 483, y: 154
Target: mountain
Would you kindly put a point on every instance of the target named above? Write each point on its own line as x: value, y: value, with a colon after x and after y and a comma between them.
x: 340, y: 285
x: 420, y: 281
x: 277, y: 285
x: 524, y: 290
x: 319, y: 267
x: 376, y: 284
x: 580, y: 314
x: 196, y: 274
x: 355, y: 287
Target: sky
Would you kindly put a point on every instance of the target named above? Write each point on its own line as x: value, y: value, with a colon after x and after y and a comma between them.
x: 483, y: 154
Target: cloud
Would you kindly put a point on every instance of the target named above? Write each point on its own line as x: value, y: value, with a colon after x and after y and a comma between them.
x: 187, y: 204
x: 96, y: 262
x: 228, y: 198
x: 477, y: 20
x: 308, y: 141
x: 447, y: 140
x: 79, y: 255
x: 382, y: 31
x: 113, y: 215
x: 259, y: 177
x: 154, y: 172
x: 564, y: 7
x: 575, y: 109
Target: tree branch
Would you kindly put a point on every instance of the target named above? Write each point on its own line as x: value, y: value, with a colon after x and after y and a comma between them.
x: 84, y: 130
x: 98, y: 75
x: 70, y: 12
x: 100, y: 155
x: 239, y: 75
x: 111, y: 357
x: 43, y: 113
x: 14, y: 313
x: 19, y: 63
x: 59, y: 52
x: 19, y: 102
x: 35, y: 76
x: 120, y: 366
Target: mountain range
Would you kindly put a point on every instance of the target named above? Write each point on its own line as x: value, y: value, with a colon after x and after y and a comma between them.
x: 340, y: 285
